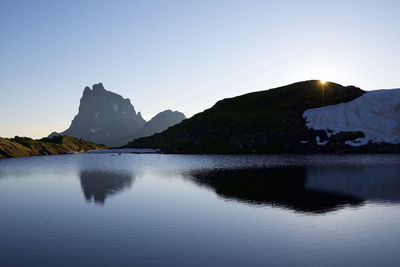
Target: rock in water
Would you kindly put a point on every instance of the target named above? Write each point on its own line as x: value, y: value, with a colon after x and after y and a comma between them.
x: 104, y: 117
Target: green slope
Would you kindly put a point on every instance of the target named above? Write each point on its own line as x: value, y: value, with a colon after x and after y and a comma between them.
x: 24, y: 146
x: 260, y: 122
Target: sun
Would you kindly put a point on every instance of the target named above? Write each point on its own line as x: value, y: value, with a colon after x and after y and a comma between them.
x: 322, y: 81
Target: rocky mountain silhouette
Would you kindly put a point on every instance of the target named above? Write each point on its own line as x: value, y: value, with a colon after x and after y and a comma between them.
x: 107, y: 118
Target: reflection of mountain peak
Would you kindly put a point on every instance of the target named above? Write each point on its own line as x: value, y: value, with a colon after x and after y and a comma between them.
x: 103, y: 117
x: 282, y: 187
x: 99, y: 185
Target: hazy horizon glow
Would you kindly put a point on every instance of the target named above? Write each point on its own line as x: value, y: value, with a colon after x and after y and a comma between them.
x: 183, y: 55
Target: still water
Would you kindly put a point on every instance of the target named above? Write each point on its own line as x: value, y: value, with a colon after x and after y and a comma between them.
x: 195, y: 210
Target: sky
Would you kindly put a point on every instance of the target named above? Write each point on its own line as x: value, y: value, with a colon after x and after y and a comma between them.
x: 183, y: 55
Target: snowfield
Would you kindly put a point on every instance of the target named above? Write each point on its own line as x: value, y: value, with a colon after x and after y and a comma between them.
x: 376, y: 114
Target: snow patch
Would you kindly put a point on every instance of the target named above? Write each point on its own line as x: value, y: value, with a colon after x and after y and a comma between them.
x: 98, y: 113
x: 318, y: 140
x: 357, y: 142
x: 376, y: 114
x: 94, y: 130
x: 303, y: 142
x: 115, y: 106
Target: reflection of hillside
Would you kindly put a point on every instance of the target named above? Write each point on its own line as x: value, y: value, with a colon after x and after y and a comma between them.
x: 282, y: 187
x: 99, y: 185
x: 367, y: 182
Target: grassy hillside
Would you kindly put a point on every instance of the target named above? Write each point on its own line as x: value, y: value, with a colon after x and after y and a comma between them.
x: 24, y: 146
x: 260, y: 122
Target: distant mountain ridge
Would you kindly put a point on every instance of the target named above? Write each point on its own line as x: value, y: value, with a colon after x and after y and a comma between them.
x: 107, y: 118
x: 272, y: 121
x: 157, y: 124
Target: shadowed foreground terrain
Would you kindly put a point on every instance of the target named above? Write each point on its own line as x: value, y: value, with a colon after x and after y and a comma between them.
x: 273, y: 121
x: 269, y: 121
x: 24, y: 146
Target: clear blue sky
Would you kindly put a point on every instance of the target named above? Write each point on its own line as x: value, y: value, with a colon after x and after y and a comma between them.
x: 183, y: 55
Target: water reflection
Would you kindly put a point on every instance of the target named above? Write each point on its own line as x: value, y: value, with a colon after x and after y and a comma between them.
x: 282, y: 187
x: 99, y: 185
x: 372, y: 183
x: 305, y: 189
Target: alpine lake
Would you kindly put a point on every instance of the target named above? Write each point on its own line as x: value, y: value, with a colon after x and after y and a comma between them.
x: 200, y: 210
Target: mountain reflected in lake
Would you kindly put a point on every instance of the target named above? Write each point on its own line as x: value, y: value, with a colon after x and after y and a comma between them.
x: 99, y: 185
x: 280, y: 187
x: 369, y: 183
x: 309, y: 189
x: 200, y: 210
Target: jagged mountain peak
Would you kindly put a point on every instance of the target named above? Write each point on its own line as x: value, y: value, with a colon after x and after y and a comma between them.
x: 98, y: 87
x: 107, y: 118
x: 106, y: 100
x: 104, y: 117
